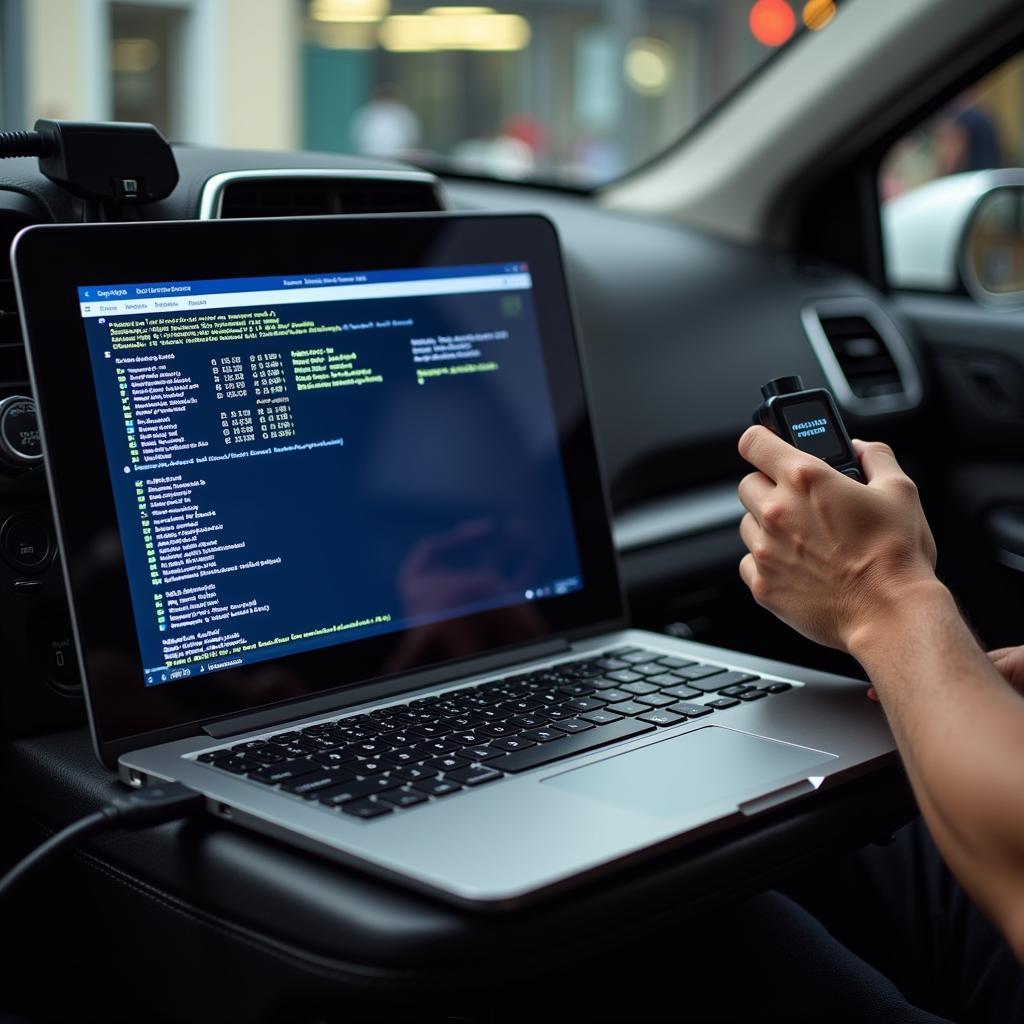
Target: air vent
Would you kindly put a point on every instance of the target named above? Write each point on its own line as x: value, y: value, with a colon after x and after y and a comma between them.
x: 865, y: 358
x: 17, y: 211
x: 315, y: 193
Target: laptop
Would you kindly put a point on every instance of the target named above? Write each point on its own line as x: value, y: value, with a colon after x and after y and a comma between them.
x: 339, y: 555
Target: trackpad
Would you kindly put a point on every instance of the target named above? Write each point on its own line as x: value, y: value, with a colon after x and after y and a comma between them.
x: 695, y: 770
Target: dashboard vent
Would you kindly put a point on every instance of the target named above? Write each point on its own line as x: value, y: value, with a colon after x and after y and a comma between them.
x: 867, y: 364
x: 864, y: 357
x: 308, y: 194
x: 17, y: 211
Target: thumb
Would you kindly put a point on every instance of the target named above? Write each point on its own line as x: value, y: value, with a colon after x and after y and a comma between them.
x: 877, y: 460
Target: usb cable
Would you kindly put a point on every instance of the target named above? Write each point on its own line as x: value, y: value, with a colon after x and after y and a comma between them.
x: 154, y: 805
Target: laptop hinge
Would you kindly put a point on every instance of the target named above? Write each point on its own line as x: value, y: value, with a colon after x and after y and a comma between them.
x: 282, y: 714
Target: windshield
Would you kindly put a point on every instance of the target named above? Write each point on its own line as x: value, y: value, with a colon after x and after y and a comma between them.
x: 575, y: 92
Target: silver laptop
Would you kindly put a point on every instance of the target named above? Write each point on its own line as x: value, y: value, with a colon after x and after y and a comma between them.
x: 339, y: 556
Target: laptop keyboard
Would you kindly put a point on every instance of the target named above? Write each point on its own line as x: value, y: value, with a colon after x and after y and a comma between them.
x: 373, y: 764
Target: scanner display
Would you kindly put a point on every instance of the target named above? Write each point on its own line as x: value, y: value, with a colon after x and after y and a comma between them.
x: 812, y: 429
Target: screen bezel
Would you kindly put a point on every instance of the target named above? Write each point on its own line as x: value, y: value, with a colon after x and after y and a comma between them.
x: 51, y: 262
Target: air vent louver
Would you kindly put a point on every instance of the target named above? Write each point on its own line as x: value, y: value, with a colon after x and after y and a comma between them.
x: 17, y: 211
x: 315, y: 195
x: 864, y: 356
x: 866, y: 362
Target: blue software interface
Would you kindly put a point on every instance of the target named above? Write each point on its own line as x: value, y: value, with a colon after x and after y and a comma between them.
x: 306, y: 460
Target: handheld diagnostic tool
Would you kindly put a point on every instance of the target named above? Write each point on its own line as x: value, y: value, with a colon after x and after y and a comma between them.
x: 808, y: 419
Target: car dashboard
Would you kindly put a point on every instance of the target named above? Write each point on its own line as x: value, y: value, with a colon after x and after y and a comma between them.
x: 678, y: 331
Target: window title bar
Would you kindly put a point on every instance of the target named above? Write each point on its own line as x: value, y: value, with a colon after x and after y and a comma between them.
x: 177, y: 289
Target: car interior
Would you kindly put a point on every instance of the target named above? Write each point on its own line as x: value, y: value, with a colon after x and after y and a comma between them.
x: 774, y: 236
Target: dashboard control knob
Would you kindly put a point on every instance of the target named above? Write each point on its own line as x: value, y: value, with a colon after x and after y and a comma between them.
x: 20, y: 446
x: 26, y: 544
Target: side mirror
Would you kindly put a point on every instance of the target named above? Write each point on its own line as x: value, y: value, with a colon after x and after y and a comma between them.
x: 992, y: 247
x: 959, y: 232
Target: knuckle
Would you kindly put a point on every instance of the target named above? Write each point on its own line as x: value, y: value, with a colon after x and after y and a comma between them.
x: 881, y: 448
x: 762, y: 553
x: 773, y: 514
x: 760, y: 590
x: 805, y: 475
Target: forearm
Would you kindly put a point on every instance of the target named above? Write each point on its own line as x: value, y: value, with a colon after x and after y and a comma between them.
x: 960, y: 729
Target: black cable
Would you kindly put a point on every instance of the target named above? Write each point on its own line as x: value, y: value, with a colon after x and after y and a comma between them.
x: 23, y: 144
x: 153, y: 805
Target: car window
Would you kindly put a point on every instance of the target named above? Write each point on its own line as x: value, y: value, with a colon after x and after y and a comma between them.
x: 571, y: 91
x: 933, y: 178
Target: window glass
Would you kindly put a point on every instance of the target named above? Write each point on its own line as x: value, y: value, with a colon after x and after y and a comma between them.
x: 929, y: 181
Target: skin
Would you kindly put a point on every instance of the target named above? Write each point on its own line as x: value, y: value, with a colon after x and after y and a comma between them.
x: 852, y: 566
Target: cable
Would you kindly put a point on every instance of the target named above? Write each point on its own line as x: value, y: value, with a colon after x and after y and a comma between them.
x: 23, y: 144
x: 154, y: 805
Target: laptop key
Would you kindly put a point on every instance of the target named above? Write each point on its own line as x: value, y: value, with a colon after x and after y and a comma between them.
x: 602, y: 717
x: 585, y: 704
x: 753, y: 695
x: 309, y: 785
x: 573, y: 725
x: 284, y: 772
x: 335, y: 796
x: 639, y: 689
x: 628, y: 707
x: 447, y: 763
x: 648, y: 668
x: 239, y: 765
x: 735, y: 691
x: 403, y: 798
x: 331, y: 758
x: 691, y: 710
x: 625, y: 676
x: 671, y: 662
x: 475, y: 775
x: 661, y: 718
x: 498, y: 729
x: 513, y: 743
x: 415, y: 772
x: 480, y: 753
x: 579, y: 744
x: 369, y: 766
x: 682, y: 692
x: 699, y: 671
x: 722, y: 703
x: 437, y: 787
x: 544, y: 735
x: 402, y: 757
x: 720, y: 681
x: 655, y: 700
x: 366, y: 809
x: 779, y: 687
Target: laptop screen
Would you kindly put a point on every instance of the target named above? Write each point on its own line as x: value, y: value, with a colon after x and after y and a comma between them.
x: 289, y: 457
x: 306, y: 460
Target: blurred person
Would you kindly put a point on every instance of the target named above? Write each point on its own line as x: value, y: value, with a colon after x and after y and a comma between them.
x: 385, y: 126
x: 967, y: 139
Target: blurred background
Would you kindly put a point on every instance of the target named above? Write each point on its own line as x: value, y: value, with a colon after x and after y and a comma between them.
x: 576, y: 92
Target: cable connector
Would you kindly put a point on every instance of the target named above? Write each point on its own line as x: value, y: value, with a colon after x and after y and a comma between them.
x: 158, y: 804
x: 23, y: 144
x: 153, y: 805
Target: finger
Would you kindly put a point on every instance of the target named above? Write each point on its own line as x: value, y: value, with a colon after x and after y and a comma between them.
x: 748, y: 570
x: 753, y: 491
x: 769, y: 453
x: 1000, y: 653
x: 750, y: 532
x: 877, y: 460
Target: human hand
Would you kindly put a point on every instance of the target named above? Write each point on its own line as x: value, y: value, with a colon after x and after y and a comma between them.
x: 828, y: 555
x: 1010, y: 662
